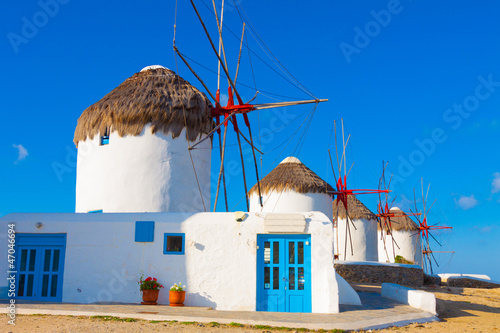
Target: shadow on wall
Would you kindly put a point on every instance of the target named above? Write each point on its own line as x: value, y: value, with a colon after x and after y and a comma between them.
x: 198, y: 299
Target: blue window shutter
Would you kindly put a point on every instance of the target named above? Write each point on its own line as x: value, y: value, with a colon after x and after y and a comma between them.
x: 144, y: 231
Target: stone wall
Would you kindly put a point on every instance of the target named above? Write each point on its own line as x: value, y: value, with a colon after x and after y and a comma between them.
x: 405, y: 275
x: 432, y: 280
x: 470, y: 283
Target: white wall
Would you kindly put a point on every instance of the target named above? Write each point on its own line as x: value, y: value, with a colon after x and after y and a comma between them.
x: 416, y: 298
x: 144, y: 173
x: 290, y: 202
x: 364, y: 240
x: 409, y: 246
x: 103, y: 263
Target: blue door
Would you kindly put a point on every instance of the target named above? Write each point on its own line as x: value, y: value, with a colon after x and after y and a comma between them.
x: 40, y: 261
x: 284, y: 273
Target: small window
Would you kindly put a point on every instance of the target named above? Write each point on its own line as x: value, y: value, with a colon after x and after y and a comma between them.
x: 173, y: 244
x: 95, y: 211
x: 105, y: 138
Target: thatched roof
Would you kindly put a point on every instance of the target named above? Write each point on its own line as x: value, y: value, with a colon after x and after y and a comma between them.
x: 357, y: 210
x: 402, y: 222
x: 156, y: 96
x: 291, y: 174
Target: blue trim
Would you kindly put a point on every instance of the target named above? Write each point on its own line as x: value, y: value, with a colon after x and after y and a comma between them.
x: 165, y: 238
x: 95, y: 211
x: 41, y: 239
x: 41, y: 245
x: 144, y: 231
x: 104, y: 140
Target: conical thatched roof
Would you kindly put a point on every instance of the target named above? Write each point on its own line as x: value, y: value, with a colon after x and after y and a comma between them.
x: 291, y: 174
x: 357, y: 210
x: 402, y: 222
x: 156, y: 96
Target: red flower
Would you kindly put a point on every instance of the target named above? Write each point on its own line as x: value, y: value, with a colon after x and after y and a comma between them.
x: 148, y: 279
x: 155, y: 279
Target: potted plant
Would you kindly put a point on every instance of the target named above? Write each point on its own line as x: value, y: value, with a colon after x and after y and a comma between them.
x: 177, y: 295
x: 150, y: 288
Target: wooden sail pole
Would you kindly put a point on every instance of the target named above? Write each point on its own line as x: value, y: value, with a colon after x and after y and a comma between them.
x: 221, y: 167
x: 253, y: 107
x: 194, y: 73
x: 239, y: 55
x: 215, y: 51
x: 231, y: 108
x: 243, y: 170
x: 223, y: 174
x: 225, y: 65
x: 218, y: 100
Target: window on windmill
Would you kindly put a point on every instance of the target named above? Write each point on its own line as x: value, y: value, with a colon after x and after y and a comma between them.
x: 105, y: 138
x: 173, y: 244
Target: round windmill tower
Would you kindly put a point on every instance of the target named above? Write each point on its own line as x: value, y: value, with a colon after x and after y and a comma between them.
x: 292, y: 187
x: 402, y: 240
x: 363, y: 239
x: 133, y: 147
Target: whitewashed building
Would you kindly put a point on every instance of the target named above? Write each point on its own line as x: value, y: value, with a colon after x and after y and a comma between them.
x: 137, y: 213
x: 226, y: 264
x: 403, y: 240
x: 292, y: 187
x: 355, y: 231
x: 132, y: 147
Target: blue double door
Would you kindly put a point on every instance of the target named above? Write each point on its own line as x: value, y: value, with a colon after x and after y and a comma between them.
x: 284, y: 273
x: 40, y: 266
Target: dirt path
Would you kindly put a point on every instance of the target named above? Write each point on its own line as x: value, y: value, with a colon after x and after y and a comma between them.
x: 461, y: 310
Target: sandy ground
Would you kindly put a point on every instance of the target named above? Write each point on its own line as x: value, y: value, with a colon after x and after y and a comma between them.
x: 460, y: 310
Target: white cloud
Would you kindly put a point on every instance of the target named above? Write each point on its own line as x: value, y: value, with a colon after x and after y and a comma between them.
x: 22, y: 153
x: 495, y: 184
x: 466, y: 203
x: 486, y: 229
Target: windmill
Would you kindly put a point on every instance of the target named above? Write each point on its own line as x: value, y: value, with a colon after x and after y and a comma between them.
x: 387, y: 215
x: 344, y: 194
x: 425, y: 231
x: 233, y: 110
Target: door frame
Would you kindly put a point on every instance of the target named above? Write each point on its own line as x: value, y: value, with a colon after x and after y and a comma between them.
x: 41, y: 242
x: 260, y: 293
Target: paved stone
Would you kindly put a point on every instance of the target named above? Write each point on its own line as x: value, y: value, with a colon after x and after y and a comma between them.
x: 376, y: 312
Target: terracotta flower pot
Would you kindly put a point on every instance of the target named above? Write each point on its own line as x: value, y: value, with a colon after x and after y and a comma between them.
x: 176, y: 298
x: 149, y: 297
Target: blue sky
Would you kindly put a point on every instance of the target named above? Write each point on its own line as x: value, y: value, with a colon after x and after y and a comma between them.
x: 416, y: 82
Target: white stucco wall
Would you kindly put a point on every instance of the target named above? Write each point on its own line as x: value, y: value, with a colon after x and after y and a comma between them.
x: 347, y: 295
x: 416, y: 298
x: 103, y: 262
x: 444, y: 277
x: 144, y: 173
x: 364, y: 240
x: 409, y: 246
x: 290, y: 202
